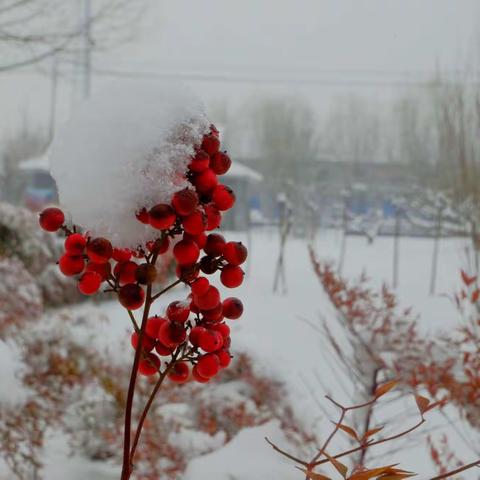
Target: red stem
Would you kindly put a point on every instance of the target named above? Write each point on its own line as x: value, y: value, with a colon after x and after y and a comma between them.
x: 147, y: 407
x: 126, y: 466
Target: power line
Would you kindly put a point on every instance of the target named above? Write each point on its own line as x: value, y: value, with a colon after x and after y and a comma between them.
x: 269, y: 80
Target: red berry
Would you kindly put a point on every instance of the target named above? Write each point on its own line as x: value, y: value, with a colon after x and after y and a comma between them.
x: 235, y: 253
x: 232, y: 308
x: 186, y: 252
x: 178, y: 311
x: 210, y: 144
x: 131, y: 296
x: 197, y: 377
x: 214, y: 217
x: 227, y: 342
x: 187, y: 273
x: 51, y: 219
x: 200, y: 286
x: 149, y: 365
x: 195, y: 223
x: 147, y: 344
x: 99, y: 250
x: 143, y: 216
x: 221, y: 328
x: 208, y: 300
x: 208, y: 265
x: 220, y: 163
x: 215, y: 244
x: 172, y: 334
x: 103, y: 269
x: 160, y: 245
x: 125, y: 272
x: 75, y: 244
x: 205, y: 181
x: 224, y: 358
x: 214, y: 130
x: 162, y: 216
x: 163, y: 350
x: 211, y: 341
x: 208, y: 365
x: 89, y: 283
x: 71, y: 265
x: 179, y: 372
x: 193, y: 306
x: 200, y: 239
x: 213, y: 315
x: 153, y: 326
x: 232, y: 276
x: 145, y: 274
x: 195, y: 335
x: 185, y: 202
x: 121, y: 254
x: 200, y: 162
x: 223, y: 197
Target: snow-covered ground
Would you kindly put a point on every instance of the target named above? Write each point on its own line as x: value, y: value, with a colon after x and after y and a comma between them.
x: 274, y: 330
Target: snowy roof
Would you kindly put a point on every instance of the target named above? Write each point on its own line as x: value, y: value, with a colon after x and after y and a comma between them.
x: 239, y: 170
x: 36, y: 163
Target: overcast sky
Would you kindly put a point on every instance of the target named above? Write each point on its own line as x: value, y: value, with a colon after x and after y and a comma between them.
x: 314, y: 48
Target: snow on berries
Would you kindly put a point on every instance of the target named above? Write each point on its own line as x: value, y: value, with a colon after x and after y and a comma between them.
x: 192, y: 334
x: 126, y: 149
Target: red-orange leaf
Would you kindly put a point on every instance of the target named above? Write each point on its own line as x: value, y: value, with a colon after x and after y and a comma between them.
x: 350, y: 431
x: 372, y: 431
x: 340, y: 467
x: 466, y: 279
x: 475, y: 295
x: 374, y: 472
x: 422, y: 403
x: 386, y: 387
x: 314, y: 476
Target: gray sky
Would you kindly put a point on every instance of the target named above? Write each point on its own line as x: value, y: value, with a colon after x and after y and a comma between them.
x: 368, y: 46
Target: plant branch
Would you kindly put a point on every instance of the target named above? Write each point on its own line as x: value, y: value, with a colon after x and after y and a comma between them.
x: 126, y: 468
x: 458, y: 470
x: 166, y: 289
x: 149, y: 404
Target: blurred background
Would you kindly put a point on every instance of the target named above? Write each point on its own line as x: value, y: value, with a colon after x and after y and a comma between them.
x: 353, y: 127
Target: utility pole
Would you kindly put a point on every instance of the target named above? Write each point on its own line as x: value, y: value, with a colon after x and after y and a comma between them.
x: 53, y: 98
x: 87, y: 47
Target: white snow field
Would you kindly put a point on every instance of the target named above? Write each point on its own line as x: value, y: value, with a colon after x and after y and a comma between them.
x: 273, y: 329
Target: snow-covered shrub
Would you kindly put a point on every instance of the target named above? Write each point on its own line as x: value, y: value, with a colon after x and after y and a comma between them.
x: 450, y: 369
x: 54, y: 366
x: 21, y: 237
x: 20, y: 297
x: 376, y: 340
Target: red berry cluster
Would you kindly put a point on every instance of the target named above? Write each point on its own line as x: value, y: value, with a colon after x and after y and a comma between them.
x: 191, y: 332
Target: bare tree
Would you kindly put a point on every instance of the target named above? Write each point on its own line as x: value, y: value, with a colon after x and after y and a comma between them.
x: 285, y: 133
x: 33, y: 30
x: 352, y: 130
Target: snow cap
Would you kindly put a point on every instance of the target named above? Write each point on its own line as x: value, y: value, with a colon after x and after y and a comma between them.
x: 126, y: 148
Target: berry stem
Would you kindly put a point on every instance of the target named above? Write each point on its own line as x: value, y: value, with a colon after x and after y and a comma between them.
x: 126, y: 468
x: 166, y: 289
x: 149, y: 404
x: 134, y: 322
